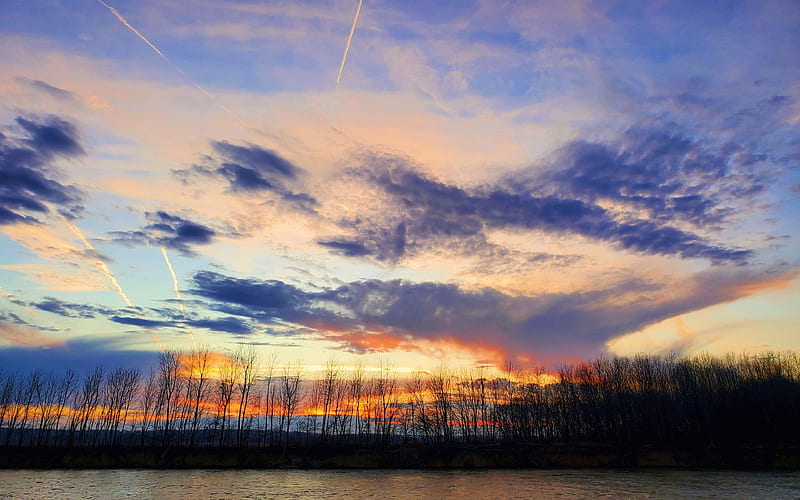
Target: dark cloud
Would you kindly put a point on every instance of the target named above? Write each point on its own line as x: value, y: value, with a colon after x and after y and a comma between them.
x: 595, y: 172
x: 47, y: 89
x: 243, y: 178
x: 429, y: 212
x: 165, y: 318
x: 261, y: 295
x: 260, y: 160
x: 10, y: 317
x: 670, y: 176
x: 252, y: 169
x: 167, y: 230
x: 26, y: 169
x: 143, y: 322
x: 561, y: 322
x: 348, y: 248
x: 51, y: 138
x: 228, y: 324
x: 69, y: 309
x: 13, y: 318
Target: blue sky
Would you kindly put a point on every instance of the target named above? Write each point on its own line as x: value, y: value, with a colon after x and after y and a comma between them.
x: 488, y: 181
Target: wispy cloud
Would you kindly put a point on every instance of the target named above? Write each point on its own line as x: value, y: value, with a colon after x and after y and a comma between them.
x: 26, y: 336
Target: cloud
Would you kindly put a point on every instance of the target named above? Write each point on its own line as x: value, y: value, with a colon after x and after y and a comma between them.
x: 428, y: 212
x: 27, y: 151
x: 390, y: 313
x: 53, y: 137
x: 345, y: 247
x: 251, y: 169
x: 25, y: 335
x: 259, y: 295
x: 13, y: 318
x: 45, y: 87
x: 672, y: 177
x: 260, y: 161
x: 167, y: 230
x: 70, y: 309
x: 143, y: 322
x: 228, y: 324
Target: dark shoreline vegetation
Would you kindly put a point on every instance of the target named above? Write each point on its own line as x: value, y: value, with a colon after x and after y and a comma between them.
x: 204, y: 409
x: 419, y: 456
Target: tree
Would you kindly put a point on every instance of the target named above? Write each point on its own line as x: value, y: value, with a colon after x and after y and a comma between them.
x: 198, y: 388
x: 246, y: 360
x: 289, y: 398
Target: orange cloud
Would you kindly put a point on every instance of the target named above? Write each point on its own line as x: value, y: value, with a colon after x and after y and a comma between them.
x: 28, y: 337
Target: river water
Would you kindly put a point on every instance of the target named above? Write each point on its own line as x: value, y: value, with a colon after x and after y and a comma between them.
x: 396, y: 484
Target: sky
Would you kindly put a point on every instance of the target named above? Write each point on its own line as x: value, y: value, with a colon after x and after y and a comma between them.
x: 487, y: 182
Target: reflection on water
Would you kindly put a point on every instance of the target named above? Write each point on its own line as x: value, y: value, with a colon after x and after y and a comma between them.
x: 391, y: 484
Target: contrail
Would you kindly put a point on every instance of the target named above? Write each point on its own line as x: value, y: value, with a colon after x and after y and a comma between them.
x: 349, y: 40
x: 177, y: 292
x: 100, y: 263
x: 127, y: 25
x: 177, y: 68
x: 685, y: 332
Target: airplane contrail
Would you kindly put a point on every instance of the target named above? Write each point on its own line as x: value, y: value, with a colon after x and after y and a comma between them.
x: 177, y: 292
x: 100, y: 263
x: 128, y: 25
x: 199, y: 87
x: 349, y: 40
x: 685, y: 332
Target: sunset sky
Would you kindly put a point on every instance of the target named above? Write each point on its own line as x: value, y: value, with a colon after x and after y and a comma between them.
x: 488, y: 181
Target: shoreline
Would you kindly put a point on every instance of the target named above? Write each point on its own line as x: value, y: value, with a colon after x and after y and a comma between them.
x: 455, y: 457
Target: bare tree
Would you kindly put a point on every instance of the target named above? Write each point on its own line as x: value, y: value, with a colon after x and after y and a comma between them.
x: 385, y: 403
x: 47, y: 406
x: 417, y: 416
x: 289, y: 398
x: 13, y: 396
x: 223, y: 395
x: 439, y: 384
x: 246, y: 360
x: 169, y: 388
x: 119, y: 391
x: 8, y: 382
x: 67, y: 386
x: 269, y: 399
x: 198, y: 386
x: 87, y: 403
x: 356, y: 392
x: 148, y: 405
x: 325, y: 392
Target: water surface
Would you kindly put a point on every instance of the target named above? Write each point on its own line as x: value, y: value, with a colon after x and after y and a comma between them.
x: 395, y: 484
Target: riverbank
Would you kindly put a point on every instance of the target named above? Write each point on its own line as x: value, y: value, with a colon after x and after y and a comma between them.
x: 403, y: 457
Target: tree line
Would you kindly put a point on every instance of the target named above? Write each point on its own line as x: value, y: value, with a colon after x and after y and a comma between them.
x: 206, y: 399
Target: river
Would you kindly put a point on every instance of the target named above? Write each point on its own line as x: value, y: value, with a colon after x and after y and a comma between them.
x: 395, y: 484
